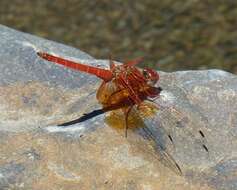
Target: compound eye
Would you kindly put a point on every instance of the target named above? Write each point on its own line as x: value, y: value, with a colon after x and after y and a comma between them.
x: 146, y: 74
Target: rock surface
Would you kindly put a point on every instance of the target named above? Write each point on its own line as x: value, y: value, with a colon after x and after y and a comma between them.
x: 196, y: 125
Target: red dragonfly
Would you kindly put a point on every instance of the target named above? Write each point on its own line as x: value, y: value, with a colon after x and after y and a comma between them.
x: 123, y: 87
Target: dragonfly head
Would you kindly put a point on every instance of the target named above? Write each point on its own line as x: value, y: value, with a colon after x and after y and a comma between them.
x: 151, y: 76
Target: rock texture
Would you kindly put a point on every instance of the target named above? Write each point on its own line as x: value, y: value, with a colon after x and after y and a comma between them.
x: 196, y: 126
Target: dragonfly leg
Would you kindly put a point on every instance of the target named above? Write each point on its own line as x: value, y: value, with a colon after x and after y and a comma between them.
x: 111, y: 63
x: 128, y: 110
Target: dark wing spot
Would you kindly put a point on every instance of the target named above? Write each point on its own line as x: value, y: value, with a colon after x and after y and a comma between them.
x: 202, y: 134
x: 179, y: 169
x: 171, y: 139
x: 205, y: 147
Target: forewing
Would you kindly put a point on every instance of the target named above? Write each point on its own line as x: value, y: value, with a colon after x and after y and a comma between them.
x: 177, y: 129
x: 134, y: 61
x: 156, y: 136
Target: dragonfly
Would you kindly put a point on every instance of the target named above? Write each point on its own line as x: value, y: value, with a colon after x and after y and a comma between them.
x: 128, y: 88
x: 123, y: 86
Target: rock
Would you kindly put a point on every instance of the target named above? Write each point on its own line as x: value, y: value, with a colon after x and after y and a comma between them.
x: 195, y: 127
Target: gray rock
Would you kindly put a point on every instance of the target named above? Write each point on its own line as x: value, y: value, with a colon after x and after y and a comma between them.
x: 10, y: 174
x: 195, y: 127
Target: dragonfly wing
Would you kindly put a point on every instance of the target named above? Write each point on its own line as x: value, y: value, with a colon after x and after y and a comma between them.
x: 179, y: 113
x: 180, y: 128
x: 157, y: 137
x: 134, y: 61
